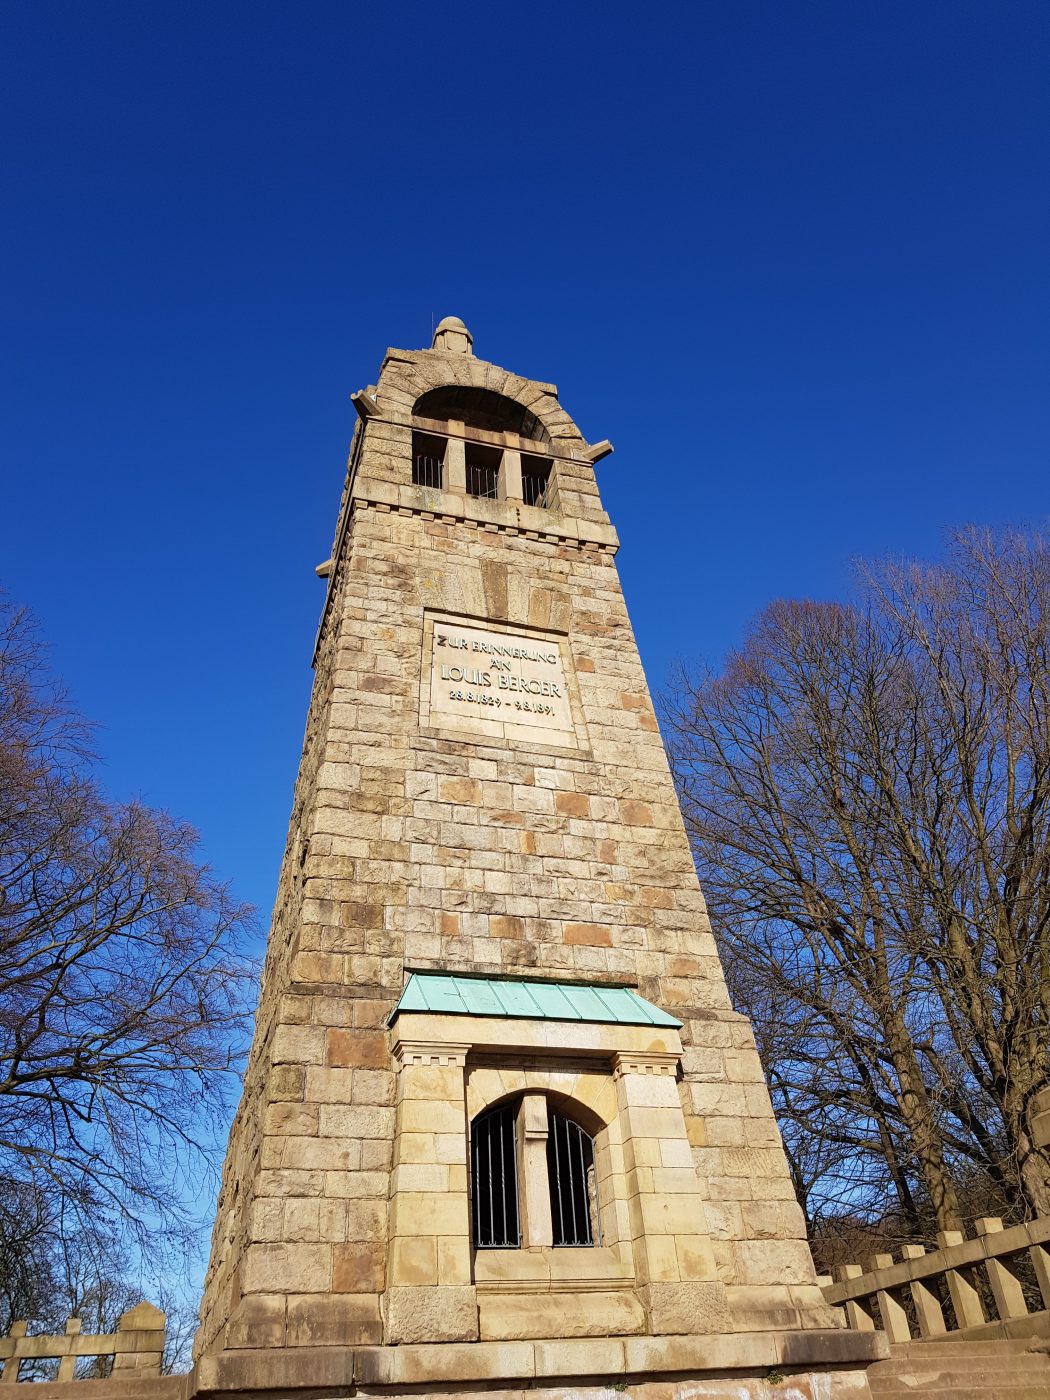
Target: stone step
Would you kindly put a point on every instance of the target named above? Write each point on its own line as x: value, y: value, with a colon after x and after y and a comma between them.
x: 1018, y: 1365
x: 958, y: 1391
x: 978, y: 1370
x: 948, y: 1346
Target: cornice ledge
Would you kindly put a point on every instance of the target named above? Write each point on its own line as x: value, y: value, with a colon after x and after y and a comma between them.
x: 509, y: 517
x: 429, y: 1052
x: 645, y: 1062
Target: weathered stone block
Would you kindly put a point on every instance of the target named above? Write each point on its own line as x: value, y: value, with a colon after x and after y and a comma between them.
x: 414, y: 1261
x: 286, y: 1082
x: 259, y: 1321
x: 414, y: 1213
x: 356, y: 1049
x: 366, y: 1220
x: 298, y: 1044
x: 686, y: 1308
x: 291, y: 1119
x: 358, y: 1267
x: 516, y: 1316
x: 774, y: 1261
x: 340, y: 1320
x: 287, y: 1268
x: 434, y: 1314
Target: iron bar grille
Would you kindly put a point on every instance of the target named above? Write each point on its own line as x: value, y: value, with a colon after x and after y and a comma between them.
x: 570, y: 1168
x: 535, y: 482
x: 427, y: 471
x: 428, y: 460
x: 482, y: 480
x: 494, y: 1179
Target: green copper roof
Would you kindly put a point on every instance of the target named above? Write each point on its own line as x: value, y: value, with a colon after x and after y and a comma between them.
x: 440, y: 993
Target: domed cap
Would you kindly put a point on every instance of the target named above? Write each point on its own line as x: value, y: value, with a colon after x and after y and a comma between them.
x: 452, y: 337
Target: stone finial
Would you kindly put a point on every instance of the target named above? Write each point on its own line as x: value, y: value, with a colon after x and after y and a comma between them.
x: 453, y: 337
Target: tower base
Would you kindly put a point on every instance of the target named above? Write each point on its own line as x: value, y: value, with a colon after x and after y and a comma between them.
x: 809, y: 1365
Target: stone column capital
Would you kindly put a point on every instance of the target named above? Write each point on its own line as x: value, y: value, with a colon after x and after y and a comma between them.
x: 532, y: 1117
x: 645, y: 1062
x: 429, y: 1052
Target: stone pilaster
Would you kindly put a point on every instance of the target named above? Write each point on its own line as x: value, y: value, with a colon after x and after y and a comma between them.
x: 677, y: 1279
x: 429, y: 1295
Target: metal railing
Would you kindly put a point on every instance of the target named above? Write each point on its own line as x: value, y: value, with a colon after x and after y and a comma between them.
x: 535, y: 487
x: 978, y: 1288
x: 427, y: 471
x: 482, y: 481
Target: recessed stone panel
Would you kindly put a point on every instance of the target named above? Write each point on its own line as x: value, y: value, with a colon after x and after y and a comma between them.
x: 495, y: 681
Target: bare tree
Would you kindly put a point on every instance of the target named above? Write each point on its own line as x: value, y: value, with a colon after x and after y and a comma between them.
x: 868, y: 792
x: 28, y: 1283
x: 124, y: 981
x: 53, y: 1268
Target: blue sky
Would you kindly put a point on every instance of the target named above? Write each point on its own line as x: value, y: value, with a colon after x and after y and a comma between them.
x: 790, y: 257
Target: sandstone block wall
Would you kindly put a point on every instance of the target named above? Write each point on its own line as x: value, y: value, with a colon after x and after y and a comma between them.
x: 417, y: 846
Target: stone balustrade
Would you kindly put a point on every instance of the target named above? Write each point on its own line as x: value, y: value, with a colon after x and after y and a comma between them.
x: 951, y: 1290
x: 137, y: 1346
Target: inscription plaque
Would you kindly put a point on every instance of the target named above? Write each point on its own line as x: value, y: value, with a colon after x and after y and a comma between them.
x: 498, y: 682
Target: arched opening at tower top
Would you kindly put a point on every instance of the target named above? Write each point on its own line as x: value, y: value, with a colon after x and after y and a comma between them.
x: 480, y: 408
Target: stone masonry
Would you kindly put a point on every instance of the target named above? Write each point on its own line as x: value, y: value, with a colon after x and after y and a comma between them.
x: 538, y: 840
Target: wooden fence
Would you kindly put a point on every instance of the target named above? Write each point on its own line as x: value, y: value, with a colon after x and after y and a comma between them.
x: 994, y: 1285
x: 137, y: 1346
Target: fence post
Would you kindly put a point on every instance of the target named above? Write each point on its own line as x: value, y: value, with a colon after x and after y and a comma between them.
x: 68, y: 1364
x: 16, y: 1330
x: 1006, y: 1290
x: 140, y: 1340
x: 1041, y: 1264
x: 928, y: 1310
x: 858, y: 1311
x: 894, y: 1317
x: 966, y: 1301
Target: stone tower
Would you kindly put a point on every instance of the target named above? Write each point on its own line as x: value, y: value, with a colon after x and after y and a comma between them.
x: 500, y: 1123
